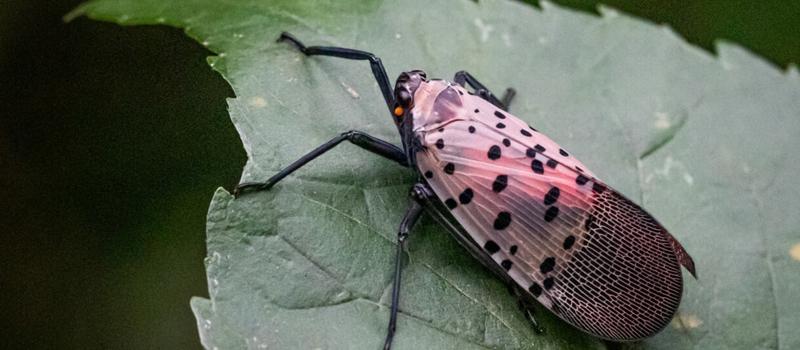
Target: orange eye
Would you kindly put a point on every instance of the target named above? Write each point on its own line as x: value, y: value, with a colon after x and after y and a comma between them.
x: 398, y: 111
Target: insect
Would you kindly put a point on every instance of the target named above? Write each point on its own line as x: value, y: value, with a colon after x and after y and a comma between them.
x: 523, y: 206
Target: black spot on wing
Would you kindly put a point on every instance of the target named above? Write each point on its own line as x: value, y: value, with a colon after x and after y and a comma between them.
x: 581, y: 180
x: 502, y: 221
x: 535, y: 289
x: 500, y: 183
x: 499, y: 115
x: 466, y: 196
x: 525, y: 133
x: 506, y: 264
x: 451, y: 203
x: 440, y: 143
x: 491, y: 247
x: 494, y: 152
x: 449, y: 168
x: 547, y: 265
x: 551, y: 196
x: 548, y: 283
x: 569, y: 242
x: 598, y: 188
x: 550, y: 214
x: 537, y: 166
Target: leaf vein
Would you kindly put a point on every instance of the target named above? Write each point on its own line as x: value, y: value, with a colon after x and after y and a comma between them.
x: 471, y: 298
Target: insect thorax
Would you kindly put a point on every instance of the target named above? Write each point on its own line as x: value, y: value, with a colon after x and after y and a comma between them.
x: 436, y: 103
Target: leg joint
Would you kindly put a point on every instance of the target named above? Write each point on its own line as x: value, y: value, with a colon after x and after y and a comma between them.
x: 353, y: 135
x: 421, y: 192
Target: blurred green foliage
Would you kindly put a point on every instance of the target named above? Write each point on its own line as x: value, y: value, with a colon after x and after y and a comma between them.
x: 113, y: 139
x: 112, y: 142
x: 769, y: 28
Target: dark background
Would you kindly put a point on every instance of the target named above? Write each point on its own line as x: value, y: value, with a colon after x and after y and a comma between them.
x: 113, y: 139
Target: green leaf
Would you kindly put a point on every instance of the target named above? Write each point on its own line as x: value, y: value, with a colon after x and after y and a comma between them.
x: 706, y: 144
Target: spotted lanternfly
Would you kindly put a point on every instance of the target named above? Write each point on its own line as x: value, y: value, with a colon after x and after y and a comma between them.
x: 522, y: 205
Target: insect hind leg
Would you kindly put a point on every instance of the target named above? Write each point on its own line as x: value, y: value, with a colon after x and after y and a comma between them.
x: 527, y: 307
x: 351, y: 54
x: 419, y: 195
x: 528, y: 310
x: 463, y: 77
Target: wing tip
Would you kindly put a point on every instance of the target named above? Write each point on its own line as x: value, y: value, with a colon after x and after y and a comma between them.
x: 683, y: 257
x: 688, y: 263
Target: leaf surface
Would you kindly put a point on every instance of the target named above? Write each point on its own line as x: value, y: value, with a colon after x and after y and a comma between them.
x: 705, y: 143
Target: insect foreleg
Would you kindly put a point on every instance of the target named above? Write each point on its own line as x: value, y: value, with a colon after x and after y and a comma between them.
x: 463, y: 77
x: 375, y: 63
x: 358, y: 138
x: 419, y: 195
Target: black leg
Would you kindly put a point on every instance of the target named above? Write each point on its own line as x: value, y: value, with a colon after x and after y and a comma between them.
x: 375, y: 63
x: 525, y: 306
x: 527, y: 309
x: 419, y: 194
x: 357, y: 138
x: 507, y: 97
x: 463, y: 77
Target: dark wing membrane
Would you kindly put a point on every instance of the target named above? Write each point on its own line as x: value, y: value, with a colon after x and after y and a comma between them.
x: 683, y: 257
x: 623, y: 282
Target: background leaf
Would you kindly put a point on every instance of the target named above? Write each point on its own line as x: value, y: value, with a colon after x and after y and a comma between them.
x: 702, y: 142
